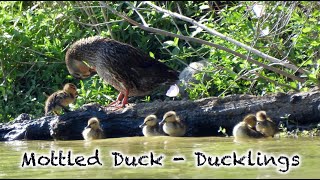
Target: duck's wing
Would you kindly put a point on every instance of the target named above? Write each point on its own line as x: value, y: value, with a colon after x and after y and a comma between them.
x: 254, y: 134
x: 129, y: 63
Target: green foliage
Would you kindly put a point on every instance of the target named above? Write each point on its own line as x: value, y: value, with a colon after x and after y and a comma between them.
x: 223, y: 131
x: 33, y: 44
x: 34, y: 37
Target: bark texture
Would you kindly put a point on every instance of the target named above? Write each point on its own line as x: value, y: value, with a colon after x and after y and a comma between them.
x: 203, y: 117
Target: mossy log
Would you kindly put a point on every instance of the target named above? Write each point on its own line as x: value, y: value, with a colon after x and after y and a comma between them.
x: 204, y: 117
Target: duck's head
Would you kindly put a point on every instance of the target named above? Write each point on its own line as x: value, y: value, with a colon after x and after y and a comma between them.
x: 170, y: 116
x: 80, y: 54
x: 150, y: 120
x: 265, y: 125
x: 261, y: 115
x: 71, y: 88
x: 250, y: 120
x: 93, y: 123
x: 79, y: 69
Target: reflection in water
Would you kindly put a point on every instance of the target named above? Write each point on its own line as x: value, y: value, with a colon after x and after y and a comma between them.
x: 11, y: 154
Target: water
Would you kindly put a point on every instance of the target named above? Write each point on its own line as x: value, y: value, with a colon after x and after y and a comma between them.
x: 305, y: 150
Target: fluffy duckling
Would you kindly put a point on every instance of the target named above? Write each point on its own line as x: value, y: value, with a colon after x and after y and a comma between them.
x: 265, y: 125
x: 93, y: 130
x: 172, y: 125
x: 246, y: 128
x: 151, y: 127
x: 61, y: 99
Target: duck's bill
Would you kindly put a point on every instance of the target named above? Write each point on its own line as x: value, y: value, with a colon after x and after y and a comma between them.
x: 142, y: 125
x: 92, y: 71
x: 162, y: 122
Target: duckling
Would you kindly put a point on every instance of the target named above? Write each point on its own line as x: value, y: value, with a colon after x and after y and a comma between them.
x: 61, y: 99
x: 151, y: 127
x: 246, y: 128
x: 93, y: 130
x: 265, y: 125
x: 172, y: 125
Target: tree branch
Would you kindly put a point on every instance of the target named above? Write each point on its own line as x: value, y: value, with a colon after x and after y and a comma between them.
x: 141, y: 17
x: 106, y: 19
x: 213, y: 32
x: 200, y: 41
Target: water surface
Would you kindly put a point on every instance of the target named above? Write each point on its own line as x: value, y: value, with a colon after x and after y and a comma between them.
x: 298, y: 157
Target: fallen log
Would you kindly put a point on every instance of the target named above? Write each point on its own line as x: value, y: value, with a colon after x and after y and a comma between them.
x: 204, y: 117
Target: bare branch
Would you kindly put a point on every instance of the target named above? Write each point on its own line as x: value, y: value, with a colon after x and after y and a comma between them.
x: 165, y: 33
x: 34, y: 63
x: 106, y: 19
x: 182, y: 62
x: 90, y: 16
x: 94, y: 25
x: 211, y: 31
x: 141, y: 17
x: 37, y: 52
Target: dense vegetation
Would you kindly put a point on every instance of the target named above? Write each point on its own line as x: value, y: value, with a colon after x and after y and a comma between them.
x: 34, y: 37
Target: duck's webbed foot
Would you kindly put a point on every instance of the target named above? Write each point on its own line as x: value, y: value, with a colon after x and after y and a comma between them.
x: 120, y: 102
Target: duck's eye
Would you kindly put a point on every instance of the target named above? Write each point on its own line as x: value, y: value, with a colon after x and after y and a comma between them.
x: 85, y: 76
x: 170, y: 115
x: 76, y: 75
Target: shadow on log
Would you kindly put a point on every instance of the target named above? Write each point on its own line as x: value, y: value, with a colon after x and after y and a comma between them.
x: 203, y: 117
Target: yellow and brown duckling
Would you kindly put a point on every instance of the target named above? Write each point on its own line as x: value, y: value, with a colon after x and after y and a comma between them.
x: 246, y: 128
x: 172, y: 125
x: 93, y: 130
x: 265, y: 125
x: 61, y: 99
x: 151, y: 127
x: 126, y: 68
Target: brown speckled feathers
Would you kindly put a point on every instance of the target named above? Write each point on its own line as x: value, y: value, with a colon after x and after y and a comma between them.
x: 122, y: 65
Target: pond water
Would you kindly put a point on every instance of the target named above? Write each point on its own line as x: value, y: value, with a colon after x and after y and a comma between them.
x: 285, y: 158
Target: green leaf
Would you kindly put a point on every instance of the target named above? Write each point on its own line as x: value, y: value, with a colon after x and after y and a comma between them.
x: 176, y: 51
x: 176, y: 41
x: 315, y: 43
x: 168, y: 43
x: 306, y: 30
x: 151, y: 54
x: 293, y: 84
x: 204, y: 7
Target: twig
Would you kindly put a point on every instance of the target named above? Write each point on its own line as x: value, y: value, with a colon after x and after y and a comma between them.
x: 141, y: 17
x: 27, y: 48
x: 275, y: 82
x: 211, y: 31
x: 90, y: 16
x: 5, y: 77
x: 217, y: 67
x: 200, y: 41
x: 27, y: 71
x: 182, y: 62
x: 3, y: 73
x: 106, y: 19
x: 94, y: 25
x: 49, y: 62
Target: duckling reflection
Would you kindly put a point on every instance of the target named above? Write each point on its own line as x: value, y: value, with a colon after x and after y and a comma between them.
x: 265, y: 125
x: 150, y: 126
x: 172, y: 125
x: 93, y: 130
x: 246, y: 128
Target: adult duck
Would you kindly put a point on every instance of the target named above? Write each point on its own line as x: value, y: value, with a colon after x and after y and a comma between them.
x: 126, y: 68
